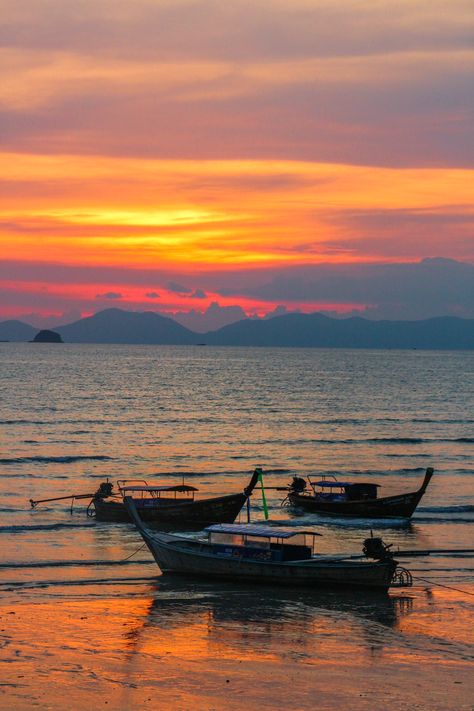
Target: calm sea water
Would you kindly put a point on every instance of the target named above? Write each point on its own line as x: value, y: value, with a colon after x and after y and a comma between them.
x: 73, y: 415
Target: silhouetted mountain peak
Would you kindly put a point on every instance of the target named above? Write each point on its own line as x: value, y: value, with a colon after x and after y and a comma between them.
x: 117, y: 326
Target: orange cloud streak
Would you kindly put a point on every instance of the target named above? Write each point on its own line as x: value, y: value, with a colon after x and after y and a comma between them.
x: 200, y: 214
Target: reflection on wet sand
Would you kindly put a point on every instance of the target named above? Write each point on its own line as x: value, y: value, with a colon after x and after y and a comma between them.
x: 229, y: 616
x: 183, y: 645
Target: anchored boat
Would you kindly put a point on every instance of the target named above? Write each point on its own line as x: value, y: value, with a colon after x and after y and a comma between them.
x: 266, y: 554
x: 342, y: 498
x: 168, y: 506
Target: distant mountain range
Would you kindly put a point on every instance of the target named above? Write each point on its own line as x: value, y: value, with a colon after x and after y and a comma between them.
x: 17, y: 331
x: 293, y: 330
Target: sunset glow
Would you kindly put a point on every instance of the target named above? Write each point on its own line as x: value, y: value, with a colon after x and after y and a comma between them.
x: 202, y: 158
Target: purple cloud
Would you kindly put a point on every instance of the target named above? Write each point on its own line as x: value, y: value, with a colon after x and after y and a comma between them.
x: 109, y: 295
x: 176, y: 288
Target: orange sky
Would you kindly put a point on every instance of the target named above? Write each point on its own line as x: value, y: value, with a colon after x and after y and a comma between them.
x: 184, y: 141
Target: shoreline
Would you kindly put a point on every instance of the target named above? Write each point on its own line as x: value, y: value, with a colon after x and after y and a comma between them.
x: 187, y: 648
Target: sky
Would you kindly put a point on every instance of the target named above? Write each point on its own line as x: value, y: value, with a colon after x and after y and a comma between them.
x: 188, y: 155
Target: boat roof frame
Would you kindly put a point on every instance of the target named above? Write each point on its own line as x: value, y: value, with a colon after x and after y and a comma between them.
x: 340, y: 484
x: 151, y: 489
x: 258, y: 531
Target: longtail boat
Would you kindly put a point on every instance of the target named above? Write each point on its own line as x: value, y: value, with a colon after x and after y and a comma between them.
x: 342, y: 498
x: 168, y: 506
x: 270, y: 554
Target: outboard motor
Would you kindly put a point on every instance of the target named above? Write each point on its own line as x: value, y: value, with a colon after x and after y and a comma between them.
x: 104, y: 490
x: 376, y: 548
x: 298, y: 485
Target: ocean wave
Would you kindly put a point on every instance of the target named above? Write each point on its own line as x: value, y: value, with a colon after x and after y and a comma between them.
x: 389, y: 420
x: 59, y: 421
x: 441, y: 421
x: 461, y: 508
x: 61, y: 459
x: 441, y: 519
x: 368, y: 440
x: 395, y: 440
x: 404, y: 455
x: 29, y: 475
x: 75, y: 563
x: 25, y: 528
x: 343, y: 474
x: 23, y: 422
x: 373, y: 440
x: 244, y: 474
x: 28, y: 585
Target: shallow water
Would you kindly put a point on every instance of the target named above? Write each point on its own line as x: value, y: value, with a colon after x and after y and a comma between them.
x: 75, y: 414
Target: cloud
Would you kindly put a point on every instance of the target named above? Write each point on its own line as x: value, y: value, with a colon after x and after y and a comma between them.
x: 279, y: 310
x: 208, y: 79
x: 214, y: 317
x: 198, y: 294
x: 109, y: 295
x: 432, y: 287
x: 414, y: 115
x: 238, y: 30
x: 152, y: 295
x: 176, y: 288
x: 396, y: 290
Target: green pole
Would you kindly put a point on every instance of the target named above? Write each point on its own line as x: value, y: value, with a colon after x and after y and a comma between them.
x: 264, y: 500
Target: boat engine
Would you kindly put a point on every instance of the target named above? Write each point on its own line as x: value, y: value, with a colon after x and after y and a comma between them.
x: 376, y: 548
x: 104, y: 490
x: 298, y: 485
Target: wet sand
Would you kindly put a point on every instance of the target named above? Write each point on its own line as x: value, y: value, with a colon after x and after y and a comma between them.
x: 178, y: 645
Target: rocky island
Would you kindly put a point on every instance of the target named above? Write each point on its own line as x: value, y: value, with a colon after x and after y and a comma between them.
x: 46, y: 336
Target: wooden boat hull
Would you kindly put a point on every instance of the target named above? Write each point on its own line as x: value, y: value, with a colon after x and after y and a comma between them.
x: 401, y: 506
x: 173, y: 513
x: 388, y: 507
x: 349, y: 574
x: 181, y: 514
x: 190, y: 557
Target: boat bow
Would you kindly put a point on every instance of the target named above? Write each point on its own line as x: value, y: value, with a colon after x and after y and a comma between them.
x: 253, y: 482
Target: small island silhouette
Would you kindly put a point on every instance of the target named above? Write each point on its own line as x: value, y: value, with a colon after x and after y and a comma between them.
x: 46, y: 336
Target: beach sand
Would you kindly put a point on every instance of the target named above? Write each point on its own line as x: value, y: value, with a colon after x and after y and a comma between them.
x: 176, y: 648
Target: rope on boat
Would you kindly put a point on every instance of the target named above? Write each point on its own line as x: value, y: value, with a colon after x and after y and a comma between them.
x: 441, y: 585
x: 132, y: 554
x: 435, y: 551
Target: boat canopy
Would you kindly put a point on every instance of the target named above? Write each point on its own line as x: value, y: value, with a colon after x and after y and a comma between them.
x: 151, y: 489
x: 338, y: 484
x: 257, y: 531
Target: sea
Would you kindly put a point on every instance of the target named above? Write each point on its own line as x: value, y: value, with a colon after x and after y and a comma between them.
x: 86, y: 612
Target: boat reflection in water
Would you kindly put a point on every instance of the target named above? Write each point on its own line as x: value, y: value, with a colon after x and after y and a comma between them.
x: 247, y: 621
